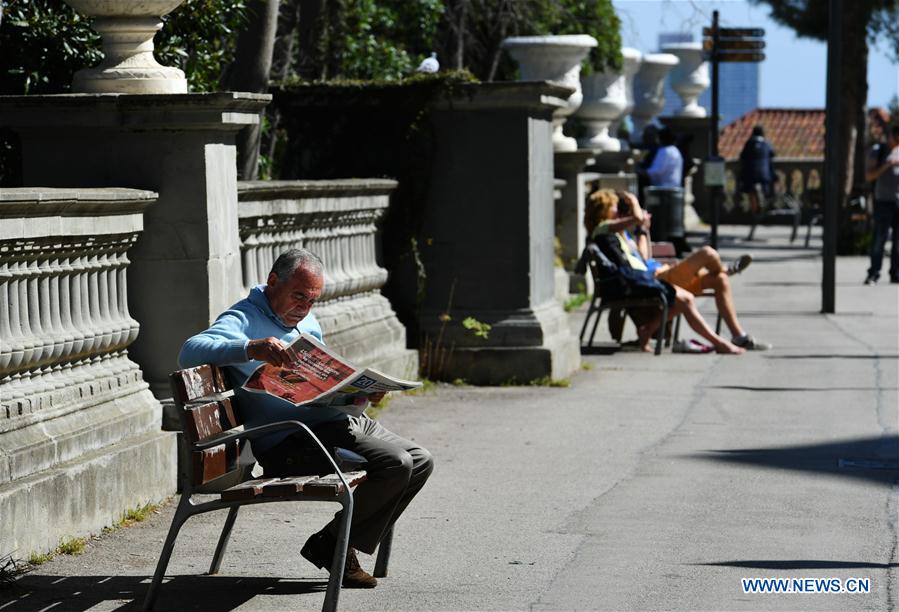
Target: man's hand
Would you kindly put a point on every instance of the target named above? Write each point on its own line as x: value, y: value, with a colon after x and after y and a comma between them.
x: 374, y: 398
x: 270, y: 350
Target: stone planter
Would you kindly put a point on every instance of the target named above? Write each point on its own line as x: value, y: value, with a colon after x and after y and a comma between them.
x: 605, y: 102
x: 649, y: 90
x: 690, y: 77
x: 127, y: 28
x: 633, y: 59
x: 556, y: 59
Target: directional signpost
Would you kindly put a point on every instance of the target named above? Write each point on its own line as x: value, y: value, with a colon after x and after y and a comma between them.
x: 726, y: 45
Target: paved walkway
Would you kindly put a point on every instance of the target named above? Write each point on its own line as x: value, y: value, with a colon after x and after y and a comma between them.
x: 649, y: 483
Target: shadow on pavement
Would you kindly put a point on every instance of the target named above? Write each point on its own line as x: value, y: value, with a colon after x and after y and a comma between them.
x: 831, y: 356
x: 801, y: 564
x: 36, y: 592
x: 873, y: 459
x: 803, y: 389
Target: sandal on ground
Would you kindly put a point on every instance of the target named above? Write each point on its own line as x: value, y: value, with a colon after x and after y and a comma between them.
x: 691, y: 347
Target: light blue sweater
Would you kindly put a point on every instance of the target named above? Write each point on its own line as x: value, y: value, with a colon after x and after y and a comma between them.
x: 225, y: 344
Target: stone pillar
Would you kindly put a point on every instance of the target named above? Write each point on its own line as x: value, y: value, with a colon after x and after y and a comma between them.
x: 693, y: 140
x: 489, y: 227
x: 186, y: 265
x: 337, y: 220
x: 569, y: 166
x: 79, y: 429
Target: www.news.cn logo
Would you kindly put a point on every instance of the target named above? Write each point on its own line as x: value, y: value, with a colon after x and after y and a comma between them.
x: 806, y: 585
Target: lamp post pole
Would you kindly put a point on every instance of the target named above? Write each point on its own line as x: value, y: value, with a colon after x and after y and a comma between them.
x: 833, y: 152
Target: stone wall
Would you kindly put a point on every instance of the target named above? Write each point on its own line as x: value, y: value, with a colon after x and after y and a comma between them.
x: 79, y: 429
x: 337, y: 220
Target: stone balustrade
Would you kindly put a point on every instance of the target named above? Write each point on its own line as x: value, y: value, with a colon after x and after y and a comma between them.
x: 63, y: 295
x: 337, y: 220
x: 800, y: 177
x: 68, y: 390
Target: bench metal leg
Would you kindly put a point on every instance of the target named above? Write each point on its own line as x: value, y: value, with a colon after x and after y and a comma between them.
x: 223, y: 541
x: 332, y: 594
x: 595, y: 325
x: 181, y: 515
x: 384, y: 554
x: 751, y: 235
x: 718, y: 325
x: 586, y: 322
x: 795, y: 226
x: 660, y: 340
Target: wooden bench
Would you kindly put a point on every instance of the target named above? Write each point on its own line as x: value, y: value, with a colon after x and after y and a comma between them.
x: 219, y: 461
x: 600, y: 267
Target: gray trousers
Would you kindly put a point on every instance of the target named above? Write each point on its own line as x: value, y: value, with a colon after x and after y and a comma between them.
x: 397, y: 469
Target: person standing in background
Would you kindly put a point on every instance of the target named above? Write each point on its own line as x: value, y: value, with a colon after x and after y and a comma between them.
x: 667, y: 167
x: 883, y: 168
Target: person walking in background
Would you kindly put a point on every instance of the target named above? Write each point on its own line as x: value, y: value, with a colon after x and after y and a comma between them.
x: 883, y: 168
x: 757, y: 168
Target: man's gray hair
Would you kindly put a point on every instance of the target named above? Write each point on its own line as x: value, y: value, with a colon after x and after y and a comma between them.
x: 290, y: 261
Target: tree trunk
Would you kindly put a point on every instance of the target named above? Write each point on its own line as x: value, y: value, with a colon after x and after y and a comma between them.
x: 282, y: 67
x: 854, y: 79
x: 309, y: 35
x: 250, y: 72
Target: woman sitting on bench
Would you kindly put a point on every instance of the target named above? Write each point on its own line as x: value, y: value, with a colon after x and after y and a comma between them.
x: 607, y: 229
x: 700, y: 271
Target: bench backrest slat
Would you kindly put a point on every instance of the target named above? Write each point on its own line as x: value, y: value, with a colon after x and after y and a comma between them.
x: 207, y: 420
x: 214, y: 462
x: 663, y: 249
x: 195, y: 384
x: 207, y: 409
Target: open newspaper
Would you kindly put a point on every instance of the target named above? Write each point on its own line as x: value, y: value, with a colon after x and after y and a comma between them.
x: 317, y: 375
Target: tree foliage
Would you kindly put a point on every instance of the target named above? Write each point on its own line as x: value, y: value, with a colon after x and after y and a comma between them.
x: 472, y: 31
x: 52, y: 42
x: 808, y: 18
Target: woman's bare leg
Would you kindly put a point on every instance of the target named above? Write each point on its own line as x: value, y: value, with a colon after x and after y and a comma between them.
x: 724, y: 300
x: 686, y: 304
x: 646, y: 332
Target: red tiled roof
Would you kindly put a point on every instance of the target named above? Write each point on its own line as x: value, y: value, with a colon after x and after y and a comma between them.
x: 793, y: 132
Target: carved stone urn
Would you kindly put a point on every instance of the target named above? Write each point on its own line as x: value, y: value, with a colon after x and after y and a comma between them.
x: 556, y: 59
x: 605, y: 102
x: 690, y: 77
x: 649, y: 90
x: 633, y: 59
x: 127, y: 28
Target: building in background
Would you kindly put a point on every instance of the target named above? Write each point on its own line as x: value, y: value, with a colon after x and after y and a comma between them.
x: 739, y: 90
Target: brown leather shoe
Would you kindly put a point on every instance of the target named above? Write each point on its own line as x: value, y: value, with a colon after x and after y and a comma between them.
x: 354, y: 577
x: 319, y: 551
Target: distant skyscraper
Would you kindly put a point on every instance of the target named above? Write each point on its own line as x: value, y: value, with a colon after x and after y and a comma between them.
x: 738, y: 91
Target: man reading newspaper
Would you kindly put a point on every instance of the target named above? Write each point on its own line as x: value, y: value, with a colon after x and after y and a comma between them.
x: 259, y: 329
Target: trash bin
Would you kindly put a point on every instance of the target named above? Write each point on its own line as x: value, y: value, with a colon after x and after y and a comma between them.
x: 666, y: 204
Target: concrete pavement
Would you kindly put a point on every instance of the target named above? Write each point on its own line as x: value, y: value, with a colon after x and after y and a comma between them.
x: 649, y: 483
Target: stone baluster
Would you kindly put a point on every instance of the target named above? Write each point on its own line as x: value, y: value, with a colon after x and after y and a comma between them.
x: 64, y: 315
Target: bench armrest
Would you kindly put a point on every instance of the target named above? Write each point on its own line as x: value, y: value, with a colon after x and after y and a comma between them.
x: 272, y: 427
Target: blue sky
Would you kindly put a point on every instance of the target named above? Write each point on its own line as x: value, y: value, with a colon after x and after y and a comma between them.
x: 793, y: 73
